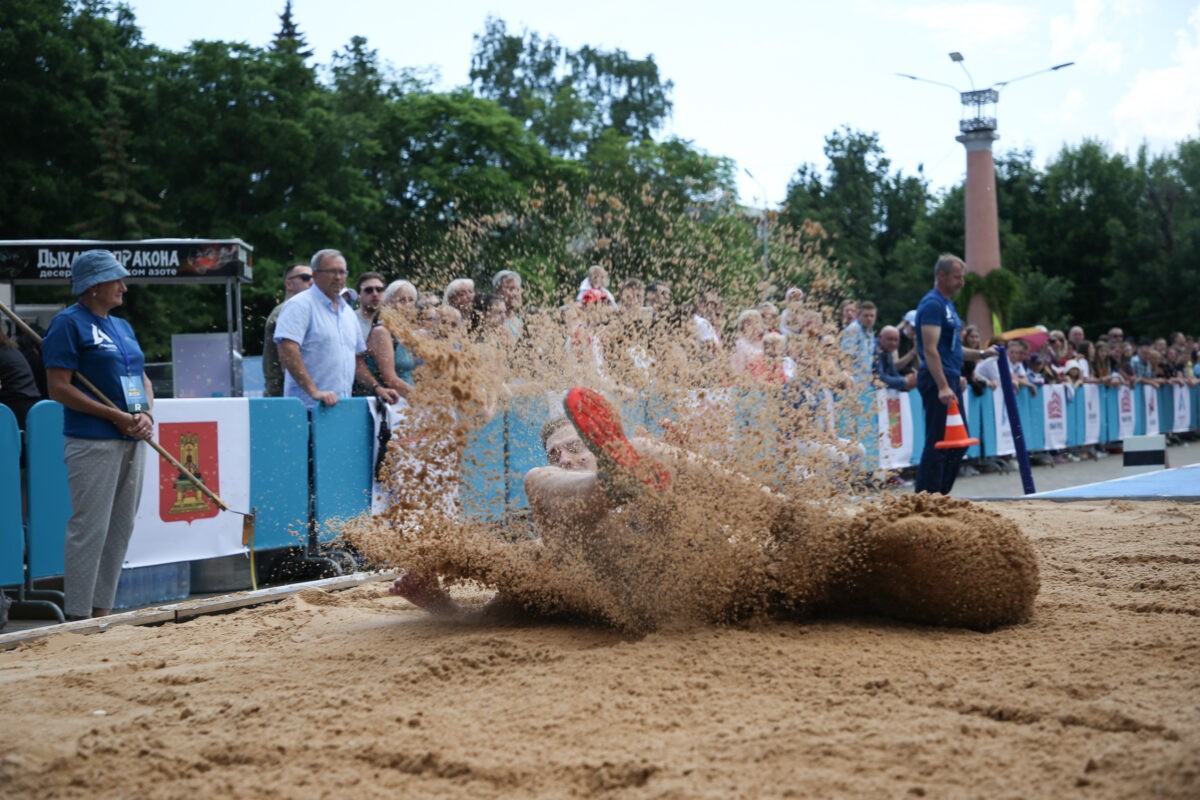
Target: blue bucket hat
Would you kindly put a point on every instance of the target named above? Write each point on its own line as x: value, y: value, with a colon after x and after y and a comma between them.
x: 92, y: 267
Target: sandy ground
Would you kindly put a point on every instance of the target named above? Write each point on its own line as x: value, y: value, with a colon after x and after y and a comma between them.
x: 359, y: 694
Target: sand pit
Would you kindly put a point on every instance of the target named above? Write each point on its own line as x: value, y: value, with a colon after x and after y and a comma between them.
x: 359, y: 694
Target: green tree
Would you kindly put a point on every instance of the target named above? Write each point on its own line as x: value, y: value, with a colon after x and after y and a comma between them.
x: 568, y: 99
x: 59, y: 60
x: 873, y: 216
x: 1153, y: 290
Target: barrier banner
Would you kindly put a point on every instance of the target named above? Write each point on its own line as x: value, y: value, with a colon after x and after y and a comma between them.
x: 176, y: 521
x: 1004, y: 438
x: 1091, y: 413
x: 1054, y: 405
x: 895, y: 429
x: 1183, y: 409
x: 1126, y: 419
x: 1150, y: 399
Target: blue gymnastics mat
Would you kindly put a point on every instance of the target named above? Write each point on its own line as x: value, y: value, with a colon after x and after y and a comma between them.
x: 1180, y: 483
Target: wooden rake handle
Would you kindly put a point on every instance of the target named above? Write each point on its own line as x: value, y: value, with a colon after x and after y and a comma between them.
x: 102, y: 397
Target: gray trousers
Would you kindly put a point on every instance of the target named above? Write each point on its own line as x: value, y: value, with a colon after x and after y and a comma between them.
x: 105, y: 476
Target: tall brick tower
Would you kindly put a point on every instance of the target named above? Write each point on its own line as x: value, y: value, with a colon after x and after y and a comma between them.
x: 982, y: 220
x: 977, y: 132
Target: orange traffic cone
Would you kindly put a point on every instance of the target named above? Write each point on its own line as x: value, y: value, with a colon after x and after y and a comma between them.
x: 956, y: 431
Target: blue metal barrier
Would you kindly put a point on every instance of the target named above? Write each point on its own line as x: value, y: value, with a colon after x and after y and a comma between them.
x: 48, y: 495
x: 497, y: 457
x: 525, y: 417
x: 12, y: 529
x: 341, y: 462
x: 279, y: 471
x: 484, y: 490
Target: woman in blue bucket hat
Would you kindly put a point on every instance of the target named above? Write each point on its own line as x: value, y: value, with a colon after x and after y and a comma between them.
x: 103, y: 457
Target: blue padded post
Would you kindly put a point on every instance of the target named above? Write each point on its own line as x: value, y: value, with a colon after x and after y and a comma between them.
x: 341, y: 469
x: 1139, y: 412
x: 974, y: 420
x: 49, y: 495
x: 484, y: 481
x: 918, y: 424
x: 1034, y: 419
x: 12, y: 529
x: 526, y: 416
x: 1075, y: 414
x: 1166, y: 409
x: 279, y: 471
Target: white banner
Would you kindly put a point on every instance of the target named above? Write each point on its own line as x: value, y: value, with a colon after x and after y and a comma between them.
x: 1150, y: 400
x: 895, y: 429
x: 1183, y: 409
x: 176, y: 521
x: 1054, y: 415
x: 1125, y: 415
x: 1091, y: 413
x: 1004, y: 439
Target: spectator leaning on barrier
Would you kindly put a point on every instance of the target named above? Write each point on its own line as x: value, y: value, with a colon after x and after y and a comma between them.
x: 460, y: 295
x: 939, y: 379
x: 906, y: 355
x: 508, y: 285
x: 596, y: 278
x: 104, y: 459
x: 859, y: 340
x: 747, y: 347
x: 320, y: 343
x: 708, y: 317
x: 849, y: 313
x: 972, y: 340
x: 989, y: 371
x: 658, y: 297
x: 389, y: 361
x: 18, y: 389
x: 885, y: 362
x: 369, y: 288
x: 296, y: 279
x: 1140, y: 367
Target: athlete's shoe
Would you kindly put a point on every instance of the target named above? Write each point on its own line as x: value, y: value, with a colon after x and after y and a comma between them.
x: 621, y: 471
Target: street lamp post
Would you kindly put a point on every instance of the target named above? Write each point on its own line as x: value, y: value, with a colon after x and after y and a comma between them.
x: 766, y: 231
x: 977, y: 132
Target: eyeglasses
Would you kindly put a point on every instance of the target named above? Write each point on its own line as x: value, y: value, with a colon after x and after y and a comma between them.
x: 371, y: 290
x: 338, y: 272
x: 303, y: 276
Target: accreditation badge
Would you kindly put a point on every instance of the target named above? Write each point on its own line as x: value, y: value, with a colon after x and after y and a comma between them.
x: 135, y: 394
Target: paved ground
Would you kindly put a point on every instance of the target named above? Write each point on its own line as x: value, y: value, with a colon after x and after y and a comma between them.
x: 1061, y: 476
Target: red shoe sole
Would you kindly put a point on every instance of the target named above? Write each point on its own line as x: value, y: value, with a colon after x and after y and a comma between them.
x: 600, y: 429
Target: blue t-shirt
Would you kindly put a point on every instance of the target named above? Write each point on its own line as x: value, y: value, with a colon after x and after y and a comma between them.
x: 101, y: 349
x: 935, y: 309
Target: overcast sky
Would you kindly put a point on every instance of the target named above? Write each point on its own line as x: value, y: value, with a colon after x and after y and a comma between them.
x: 764, y: 83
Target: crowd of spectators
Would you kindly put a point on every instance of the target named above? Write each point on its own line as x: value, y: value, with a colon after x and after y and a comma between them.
x: 614, y: 335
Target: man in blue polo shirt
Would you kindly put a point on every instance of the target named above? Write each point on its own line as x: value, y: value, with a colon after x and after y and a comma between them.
x: 939, y: 380
x: 320, y: 343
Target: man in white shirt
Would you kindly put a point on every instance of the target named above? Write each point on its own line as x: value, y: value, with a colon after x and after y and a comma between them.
x: 320, y: 343
x: 989, y: 370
